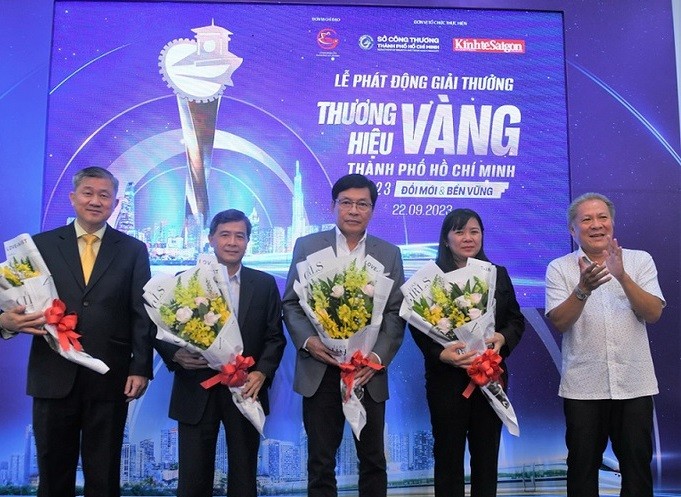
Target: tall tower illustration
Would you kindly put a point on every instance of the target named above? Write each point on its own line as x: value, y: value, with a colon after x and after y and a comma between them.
x: 126, y: 218
x: 298, y: 212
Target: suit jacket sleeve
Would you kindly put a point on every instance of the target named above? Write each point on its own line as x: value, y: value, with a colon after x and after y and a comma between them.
x: 509, y: 321
x: 298, y: 325
x: 273, y: 339
x: 167, y: 352
x: 392, y: 328
x: 142, y: 329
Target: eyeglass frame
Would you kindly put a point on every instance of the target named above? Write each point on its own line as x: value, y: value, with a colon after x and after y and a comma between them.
x: 346, y: 204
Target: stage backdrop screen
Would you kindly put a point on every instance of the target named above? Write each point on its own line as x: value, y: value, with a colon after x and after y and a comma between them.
x: 197, y: 108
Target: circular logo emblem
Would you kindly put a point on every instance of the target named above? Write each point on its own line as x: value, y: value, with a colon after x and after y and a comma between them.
x: 366, y: 42
x: 327, y: 39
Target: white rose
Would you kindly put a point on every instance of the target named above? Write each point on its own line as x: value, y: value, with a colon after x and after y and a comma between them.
x: 462, y: 302
x: 211, y: 318
x: 475, y: 298
x: 474, y: 313
x: 337, y: 291
x: 444, y: 324
x: 368, y: 290
x: 201, y: 300
x: 183, y: 314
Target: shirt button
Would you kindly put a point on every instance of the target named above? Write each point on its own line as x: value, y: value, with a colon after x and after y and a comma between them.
x: 86, y: 303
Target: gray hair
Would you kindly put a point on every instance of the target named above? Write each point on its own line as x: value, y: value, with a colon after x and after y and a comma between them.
x: 572, y: 210
x: 95, y: 172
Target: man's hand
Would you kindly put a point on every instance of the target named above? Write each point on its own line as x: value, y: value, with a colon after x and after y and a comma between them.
x: 17, y: 320
x: 455, y: 355
x: 364, y: 375
x: 254, y: 382
x: 591, y: 275
x: 189, y: 360
x: 320, y: 351
x: 497, y: 340
x: 613, y: 259
x: 135, y: 387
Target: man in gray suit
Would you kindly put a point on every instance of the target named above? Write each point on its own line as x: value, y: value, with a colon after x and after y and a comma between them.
x: 317, y: 375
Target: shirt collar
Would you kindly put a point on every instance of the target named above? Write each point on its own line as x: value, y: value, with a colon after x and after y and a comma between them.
x: 341, y: 236
x: 236, y: 277
x: 80, y: 231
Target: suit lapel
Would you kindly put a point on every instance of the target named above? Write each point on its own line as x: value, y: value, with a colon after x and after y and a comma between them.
x: 67, y: 244
x: 328, y: 240
x: 371, y: 247
x: 246, y: 289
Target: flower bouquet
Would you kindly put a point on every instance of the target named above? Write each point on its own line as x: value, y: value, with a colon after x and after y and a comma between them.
x: 26, y: 280
x: 460, y: 305
x: 191, y: 310
x: 344, y: 299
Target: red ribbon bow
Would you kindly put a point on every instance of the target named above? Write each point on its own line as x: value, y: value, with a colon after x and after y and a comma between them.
x: 348, y: 370
x: 65, y: 324
x: 231, y: 375
x: 484, y: 369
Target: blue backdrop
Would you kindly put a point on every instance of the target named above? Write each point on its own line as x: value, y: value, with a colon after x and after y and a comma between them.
x: 623, y: 135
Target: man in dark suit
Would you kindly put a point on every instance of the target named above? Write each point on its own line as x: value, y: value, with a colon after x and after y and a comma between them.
x: 76, y: 410
x: 255, y: 300
x: 317, y: 376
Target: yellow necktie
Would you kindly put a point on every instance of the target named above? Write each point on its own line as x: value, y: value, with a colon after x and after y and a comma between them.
x: 87, y: 258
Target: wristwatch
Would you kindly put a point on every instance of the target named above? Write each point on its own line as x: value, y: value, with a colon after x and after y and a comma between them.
x: 580, y: 294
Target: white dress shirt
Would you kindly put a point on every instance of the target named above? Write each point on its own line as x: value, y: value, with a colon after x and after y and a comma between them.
x: 606, y: 354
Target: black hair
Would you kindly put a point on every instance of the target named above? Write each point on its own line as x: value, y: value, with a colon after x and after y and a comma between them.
x: 456, y: 220
x: 354, y: 181
x: 95, y: 172
x: 229, y: 216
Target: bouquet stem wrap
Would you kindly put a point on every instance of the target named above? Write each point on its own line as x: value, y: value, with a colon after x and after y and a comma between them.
x: 344, y: 299
x: 26, y: 280
x: 192, y: 310
x: 460, y: 305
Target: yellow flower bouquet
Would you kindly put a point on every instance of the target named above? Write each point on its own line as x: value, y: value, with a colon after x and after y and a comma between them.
x: 26, y: 280
x: 16, y: 272
x: 343, y: 303
x: 194, y: 313
x: 24, y: 277
x: 460, y: 305
x: 192, y: 310
x: 344, y: 299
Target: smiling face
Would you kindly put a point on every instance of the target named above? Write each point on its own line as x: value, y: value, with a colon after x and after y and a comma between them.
x: 93, y: 201
x: 465, y: 242
x: 229, y: 243
x: 350, y: 219
x: 592, y: 228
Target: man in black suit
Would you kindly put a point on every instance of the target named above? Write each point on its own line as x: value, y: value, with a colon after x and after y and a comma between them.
x: 76, y: 410
x: 317, y: 376
x: 255, y: 300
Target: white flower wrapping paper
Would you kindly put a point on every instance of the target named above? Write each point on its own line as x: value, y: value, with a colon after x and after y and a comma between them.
x: 37, y: 293
x: 325, y: 265
x: 228, y: 343
x: 472, y: 333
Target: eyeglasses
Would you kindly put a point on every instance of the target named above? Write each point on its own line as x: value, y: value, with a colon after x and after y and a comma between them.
x: 346, y: 204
